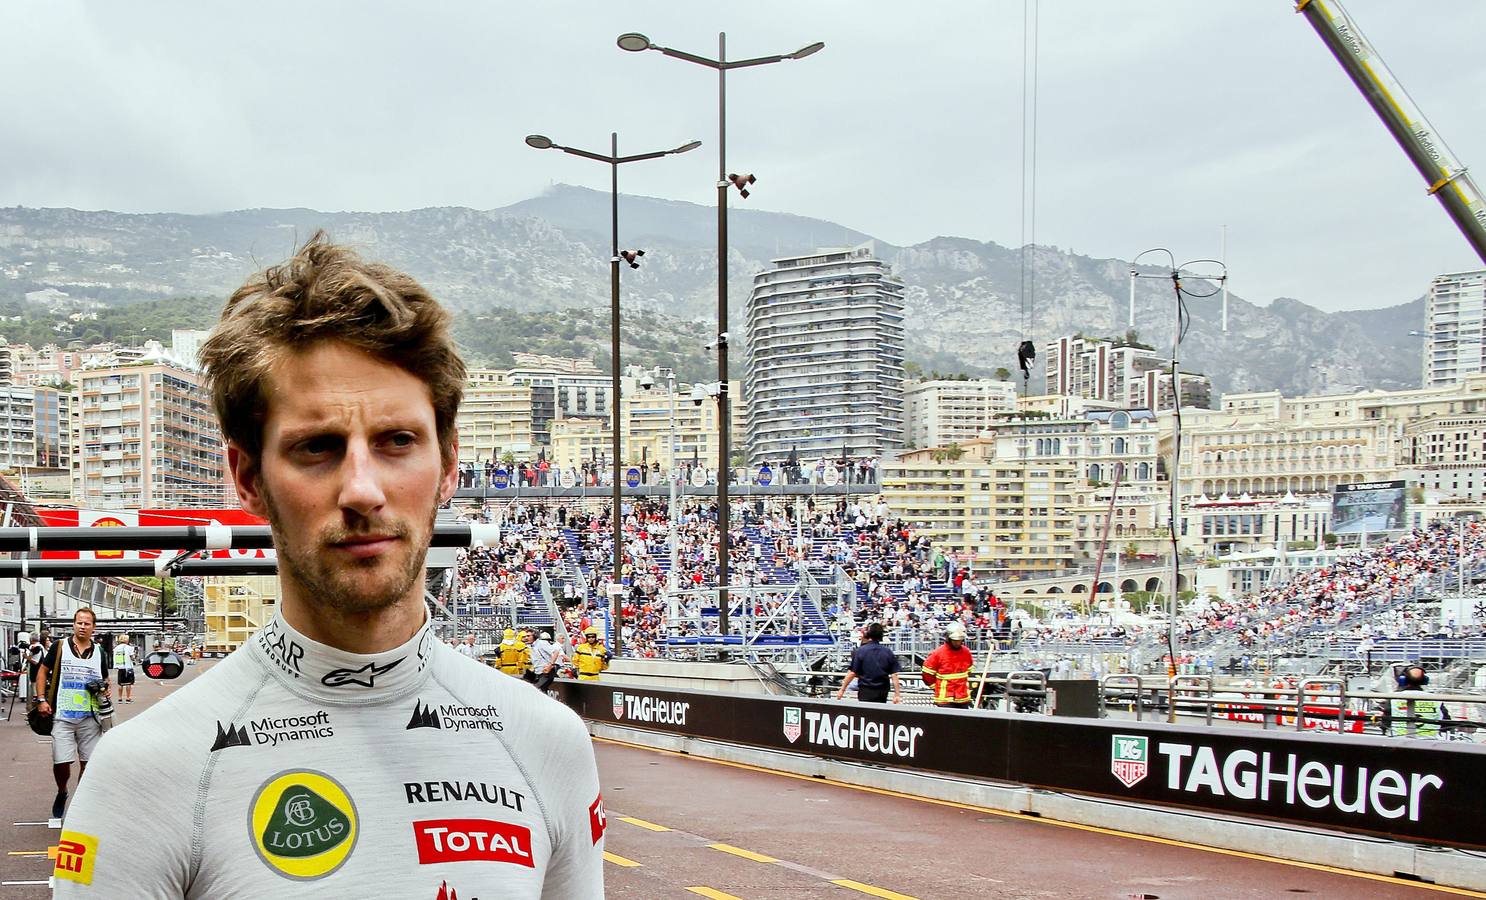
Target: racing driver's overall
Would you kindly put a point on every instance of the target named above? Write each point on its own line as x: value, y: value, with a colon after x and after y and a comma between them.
x: 295, y: 769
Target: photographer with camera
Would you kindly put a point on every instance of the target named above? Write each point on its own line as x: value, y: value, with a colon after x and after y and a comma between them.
x: 71, y: 685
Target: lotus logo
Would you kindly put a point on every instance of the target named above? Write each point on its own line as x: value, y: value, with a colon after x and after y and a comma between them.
x: 618, y: 704
x: 792, y: 723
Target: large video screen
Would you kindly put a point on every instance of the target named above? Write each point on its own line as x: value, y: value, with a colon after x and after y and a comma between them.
x: 1368, y: 507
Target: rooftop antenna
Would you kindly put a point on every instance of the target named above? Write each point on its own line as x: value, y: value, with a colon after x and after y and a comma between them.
x: 1176, y: 273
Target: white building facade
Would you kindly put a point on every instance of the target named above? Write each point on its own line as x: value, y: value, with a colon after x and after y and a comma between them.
x: 1453, y: 317
x: 946, y: 411
x: 824, y: 357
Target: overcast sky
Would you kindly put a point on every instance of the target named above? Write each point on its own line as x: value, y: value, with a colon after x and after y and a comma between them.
x: 1159, y: 122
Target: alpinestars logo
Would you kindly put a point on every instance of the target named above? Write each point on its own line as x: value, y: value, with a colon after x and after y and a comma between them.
x: 230, y: 737
x: 423, y: 717
x: 366, y: 676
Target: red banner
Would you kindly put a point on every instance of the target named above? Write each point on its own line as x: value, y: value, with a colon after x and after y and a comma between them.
x: 97, y: 518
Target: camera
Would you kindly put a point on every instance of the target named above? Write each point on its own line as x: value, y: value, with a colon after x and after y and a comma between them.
x: 721, y: 340
x: 96, y: 687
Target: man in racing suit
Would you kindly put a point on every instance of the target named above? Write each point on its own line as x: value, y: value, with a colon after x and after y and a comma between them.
x: 947, y: 670
x: 343, y: 751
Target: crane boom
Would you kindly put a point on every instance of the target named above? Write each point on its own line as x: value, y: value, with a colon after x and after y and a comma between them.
x: 1447, y: 178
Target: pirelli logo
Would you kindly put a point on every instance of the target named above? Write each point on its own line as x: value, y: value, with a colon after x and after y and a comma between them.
x: 76, y: 854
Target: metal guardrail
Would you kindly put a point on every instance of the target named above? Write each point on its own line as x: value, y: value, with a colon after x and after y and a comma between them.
x: 1314, y: 703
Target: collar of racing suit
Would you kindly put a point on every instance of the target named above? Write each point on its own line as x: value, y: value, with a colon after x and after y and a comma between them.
x: 323, y: 672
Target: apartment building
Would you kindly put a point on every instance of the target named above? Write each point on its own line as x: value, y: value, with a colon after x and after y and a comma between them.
x: 1454, y: 312
x: 149, y: 438
x: 652, y: 421
x: 947, y: 411
x: 561, y: 388
x: 1121, y: 372
x: 1269, y: 446
x: 495, y: 417
x: 235, y: 607
x: 1010, y: 501
x: 824, y: 357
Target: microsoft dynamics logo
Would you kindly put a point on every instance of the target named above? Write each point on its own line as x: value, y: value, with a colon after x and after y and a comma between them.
x: 424, y: 716
x: 231, y: 736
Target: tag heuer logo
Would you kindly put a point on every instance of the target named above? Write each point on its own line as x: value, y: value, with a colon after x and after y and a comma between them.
x: 618, y: 704
x: 1129, y: 759
x: 792, y: 723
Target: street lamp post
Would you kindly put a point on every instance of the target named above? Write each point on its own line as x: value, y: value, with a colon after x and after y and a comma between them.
x: 613, y: 159
x: 636, y: 43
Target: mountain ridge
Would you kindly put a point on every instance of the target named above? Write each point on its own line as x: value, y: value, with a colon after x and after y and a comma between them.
x: 549, y: 253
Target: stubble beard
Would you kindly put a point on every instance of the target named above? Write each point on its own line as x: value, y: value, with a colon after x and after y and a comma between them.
x: 307, y: 563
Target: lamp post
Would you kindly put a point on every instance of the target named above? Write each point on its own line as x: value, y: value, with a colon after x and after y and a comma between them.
x: 636, y: 43
x: 614, y: 160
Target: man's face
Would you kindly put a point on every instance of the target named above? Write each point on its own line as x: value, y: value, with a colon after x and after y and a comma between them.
x: 82, y: 626
x: 350, y: 477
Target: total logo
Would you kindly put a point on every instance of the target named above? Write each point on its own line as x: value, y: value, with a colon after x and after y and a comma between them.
x: 454, y: 717
x: 649, y: 709
x: 303, y: 824
x: 472, y: 840
x: 598, y: 823
x: 851, y: 732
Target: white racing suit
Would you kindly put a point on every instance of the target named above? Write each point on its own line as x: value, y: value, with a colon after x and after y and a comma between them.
x: 295, y: 769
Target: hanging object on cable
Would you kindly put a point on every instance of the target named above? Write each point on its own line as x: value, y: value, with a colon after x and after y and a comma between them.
x: 1026, y: 353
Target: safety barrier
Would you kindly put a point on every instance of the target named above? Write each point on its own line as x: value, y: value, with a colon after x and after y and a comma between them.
x: 1312, y: 704
x: 1398, y: 788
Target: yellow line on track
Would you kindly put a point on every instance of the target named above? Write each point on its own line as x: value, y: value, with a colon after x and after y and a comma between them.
x: 712, y: 893
x: 649, y: 826
x: 1043, y: 820
x: 618, y: 860
x: 746, y: 854
x: 869, y: 889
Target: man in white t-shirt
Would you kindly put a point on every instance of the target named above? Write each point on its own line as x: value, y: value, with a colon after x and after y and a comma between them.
x: 68, y: 678
x: 124, y: 665
x: 467, y: 648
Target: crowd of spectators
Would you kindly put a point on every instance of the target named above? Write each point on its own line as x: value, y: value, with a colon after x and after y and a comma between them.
x: 901, y: 580
x: 1357, y: 596
x: 542, y: 472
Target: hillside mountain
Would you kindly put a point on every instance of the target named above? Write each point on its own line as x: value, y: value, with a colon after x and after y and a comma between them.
x: 550, y: 253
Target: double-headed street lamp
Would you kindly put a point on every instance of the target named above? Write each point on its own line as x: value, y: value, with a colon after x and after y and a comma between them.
x: 542, y: 142
x: 637, y: 43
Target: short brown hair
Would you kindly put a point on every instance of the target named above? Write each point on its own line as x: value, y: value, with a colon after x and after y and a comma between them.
x: 327, y: 292
x: 84, y: 609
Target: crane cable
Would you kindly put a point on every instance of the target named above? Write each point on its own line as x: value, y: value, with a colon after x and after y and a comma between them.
x: 1027, y: 348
